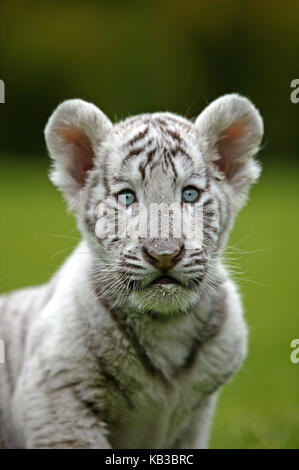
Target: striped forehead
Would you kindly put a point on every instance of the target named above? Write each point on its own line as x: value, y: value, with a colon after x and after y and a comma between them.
x: 159, y: 143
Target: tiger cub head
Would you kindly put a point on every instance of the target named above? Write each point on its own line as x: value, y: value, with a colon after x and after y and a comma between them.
x: 155, y: 195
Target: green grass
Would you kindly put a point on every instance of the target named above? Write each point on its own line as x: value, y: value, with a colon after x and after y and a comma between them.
x: 259, y: 408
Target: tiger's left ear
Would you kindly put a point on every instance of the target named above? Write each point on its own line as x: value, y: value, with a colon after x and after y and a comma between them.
x: 229, y: 132
x: 74, y: 133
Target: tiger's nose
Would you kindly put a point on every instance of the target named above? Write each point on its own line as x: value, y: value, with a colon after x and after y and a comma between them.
x: 163, y: 259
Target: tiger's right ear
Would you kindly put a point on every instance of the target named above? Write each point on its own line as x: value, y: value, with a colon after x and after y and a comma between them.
x: 73, y: 135
x: 229, y: 133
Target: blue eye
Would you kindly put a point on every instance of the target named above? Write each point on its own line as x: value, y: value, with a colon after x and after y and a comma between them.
x: 190, y: 194
x: 127, y: 197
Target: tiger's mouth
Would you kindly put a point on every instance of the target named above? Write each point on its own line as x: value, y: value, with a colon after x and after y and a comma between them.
x: 165, y: 280
x: 161, y: 280
x: 163, y: 295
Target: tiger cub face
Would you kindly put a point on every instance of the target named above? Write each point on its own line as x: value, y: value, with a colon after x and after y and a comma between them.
x: 155, y: 195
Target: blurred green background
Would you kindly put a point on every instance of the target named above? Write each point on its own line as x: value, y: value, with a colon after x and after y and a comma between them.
x: 131, y: 57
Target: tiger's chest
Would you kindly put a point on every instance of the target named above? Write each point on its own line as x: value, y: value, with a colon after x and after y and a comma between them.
x: 145, y: 410
x: 150, y: 386
x: 157, y: 414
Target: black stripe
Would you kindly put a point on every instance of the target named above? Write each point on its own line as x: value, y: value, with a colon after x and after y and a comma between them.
x: 142, y: 171
x: 133, y: 152
x: 105, y: 180
x: 173, y: 168
x: 138, y: 136
x: 110, y: 377
x: 209, y: 213
x: 130, y: 265
x: 179, y: 149
x: 160, y: 121
x: 198, y: 253
x: 210, y: 227
x: 174, y: 134
x: 150, y: 155
x: 93, y: 182
x: 128, y: 331
x: 131, y: 257
x: 188, y: 265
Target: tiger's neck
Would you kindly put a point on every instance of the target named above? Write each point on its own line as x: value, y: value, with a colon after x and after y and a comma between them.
x: 171, y: 343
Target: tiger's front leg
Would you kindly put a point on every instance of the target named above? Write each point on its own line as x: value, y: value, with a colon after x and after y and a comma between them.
x: 197, y: 435
x: 53, y: 419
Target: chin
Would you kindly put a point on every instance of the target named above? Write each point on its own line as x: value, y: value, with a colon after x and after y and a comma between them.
x: 164, y: 300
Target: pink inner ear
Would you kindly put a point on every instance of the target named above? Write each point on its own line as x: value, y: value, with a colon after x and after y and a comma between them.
x: 228, y: 146
x: 82, y: 154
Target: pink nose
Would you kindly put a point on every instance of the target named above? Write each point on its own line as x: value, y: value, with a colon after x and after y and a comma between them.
x: 163, y: 260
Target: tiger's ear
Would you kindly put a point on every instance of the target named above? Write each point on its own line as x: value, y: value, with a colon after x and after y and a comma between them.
x: 229, y: 132
x: 73, y: 135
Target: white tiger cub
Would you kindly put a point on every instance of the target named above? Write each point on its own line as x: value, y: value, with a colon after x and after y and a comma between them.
x: 130, y: 341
